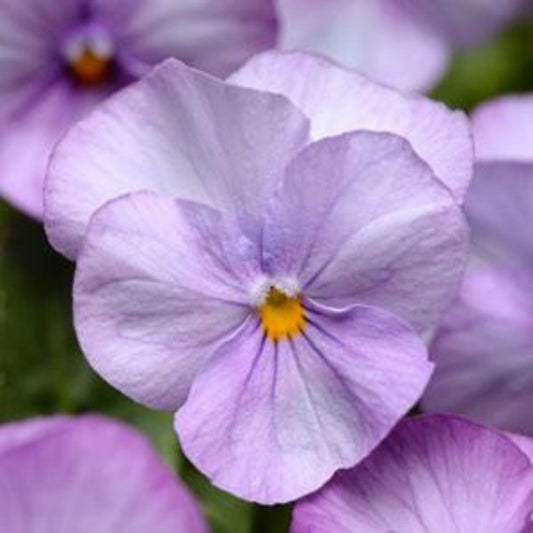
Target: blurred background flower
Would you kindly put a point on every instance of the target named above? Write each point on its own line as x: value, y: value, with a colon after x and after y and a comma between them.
x: 407, y: 44
x: 432, y: 474
x: 58, y: 59
x: 85, y: 475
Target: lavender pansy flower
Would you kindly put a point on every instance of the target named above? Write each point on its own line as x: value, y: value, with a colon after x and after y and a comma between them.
x: 86, y: 475
x: 433, y: 474
x: 59, y: 58
x: 274, y: 304
x: 227, y: 134
x: 484, y: 348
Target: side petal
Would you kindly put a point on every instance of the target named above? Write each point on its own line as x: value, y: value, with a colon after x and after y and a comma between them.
x: 376, y: 37
x: 441, y: 137
x: 89, y: 474
x: 271, y: 422
x: 432, y: 473
x: 177, y: 132
x: 503, y: 129
x: 359, y: 219
x: 154, y: 291
x: 216, y: 36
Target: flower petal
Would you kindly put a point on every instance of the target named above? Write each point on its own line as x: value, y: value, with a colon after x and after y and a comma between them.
x: 503, y: 129
x: 376, y: 37
x: 177, y: 132
x: 271, y: 422
x: 85, y: 475
x: 432, y: 473
x: 482, y: 351
x: 439, y: 136
x: 464, y: 22
x: 360, y: 219
x: 212, y: 35
x: 499, y: 208
x: 158, y: 283
x: 28, y: 136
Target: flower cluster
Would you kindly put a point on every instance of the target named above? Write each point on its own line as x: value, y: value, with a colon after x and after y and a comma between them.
x: 290, y: 256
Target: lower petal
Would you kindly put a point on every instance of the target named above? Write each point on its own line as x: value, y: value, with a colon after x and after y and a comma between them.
x: 272, y: 421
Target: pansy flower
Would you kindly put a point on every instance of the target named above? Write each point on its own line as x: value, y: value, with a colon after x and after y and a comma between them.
x: 484, y: 348
x: 403, y: 43
x: 433, y: 474
x: 88, y: 475
x: 58, y: 58
x: 266, y: 286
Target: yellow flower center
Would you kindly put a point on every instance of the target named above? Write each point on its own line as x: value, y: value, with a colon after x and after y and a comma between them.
x: 282, y: 316
x: 90, y: 68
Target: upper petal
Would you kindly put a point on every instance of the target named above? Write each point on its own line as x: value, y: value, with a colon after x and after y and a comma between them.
x: 158, y: 284
x: 213, y: 35
x: 376, y: 37
x: 271, y: 421
x: 177, y: 132
x: 432, y: 474
x: 360, y: 219
x: 87, y: 475
x: 320, y: 89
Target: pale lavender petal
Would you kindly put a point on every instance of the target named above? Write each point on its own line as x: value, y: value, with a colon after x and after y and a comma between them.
x: 360, y: 219
x: 177, y: 132
x: 88, y: 475
x: 213, y: 35
x: 158, y: 284
x: 376, y: 37
x: 464, y: 22
x: 441, y: 137
x: 271, y: 422
x: 432, y: 474
x: 503, y: 129
x: 483, y: 351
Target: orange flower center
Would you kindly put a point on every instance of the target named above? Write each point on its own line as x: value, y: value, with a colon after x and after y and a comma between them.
x: 91, y: 69
x: 282, y: 316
